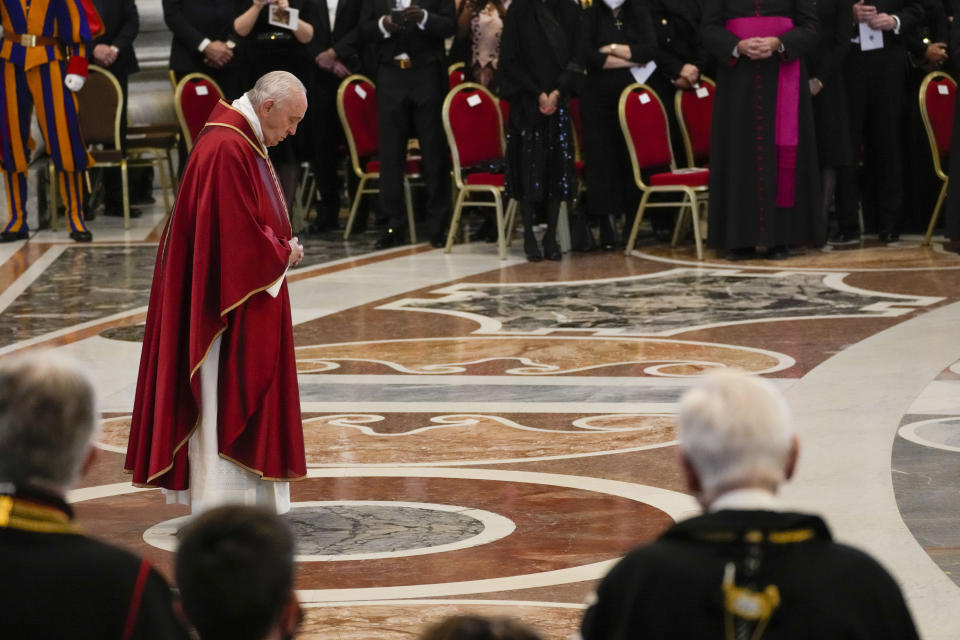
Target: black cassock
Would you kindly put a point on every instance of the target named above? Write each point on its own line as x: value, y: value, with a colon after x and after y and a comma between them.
x: 672, y: 589
x: 743, y: 156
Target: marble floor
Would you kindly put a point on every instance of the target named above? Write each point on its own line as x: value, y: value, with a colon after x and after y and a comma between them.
x: 490, y: 436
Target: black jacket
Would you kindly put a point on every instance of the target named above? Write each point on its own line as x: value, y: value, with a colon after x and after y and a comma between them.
x: 193, y: 20
x: 121, y: 22
x: 421, y: 45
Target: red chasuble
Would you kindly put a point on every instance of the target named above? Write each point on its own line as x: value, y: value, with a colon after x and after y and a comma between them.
x: 226, y: 242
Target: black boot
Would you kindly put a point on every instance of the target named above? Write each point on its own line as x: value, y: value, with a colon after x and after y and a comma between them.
x: 530, y: 246
x: 551, y: 250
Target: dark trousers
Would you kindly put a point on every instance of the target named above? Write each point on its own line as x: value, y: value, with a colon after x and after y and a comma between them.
x: 414, y: 97
x: 327, y: 138
x: 875, y: 81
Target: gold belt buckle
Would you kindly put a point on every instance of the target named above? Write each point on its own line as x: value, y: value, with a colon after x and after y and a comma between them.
x: 405, y: 63
x: 28, y: 40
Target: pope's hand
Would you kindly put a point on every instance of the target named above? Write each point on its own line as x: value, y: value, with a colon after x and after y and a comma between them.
x: 296, y: 252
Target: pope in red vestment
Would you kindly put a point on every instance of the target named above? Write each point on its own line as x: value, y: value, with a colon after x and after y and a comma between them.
x: 220, y: 273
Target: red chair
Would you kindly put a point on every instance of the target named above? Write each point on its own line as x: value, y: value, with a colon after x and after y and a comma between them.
x: 694, y: 109
x: 474, y: 128
x: 938, y: 93
x: 357, y: 107
x: 457, y: 73
x: 577, y: 119
x: 644, y: 124
x: 195, y: 97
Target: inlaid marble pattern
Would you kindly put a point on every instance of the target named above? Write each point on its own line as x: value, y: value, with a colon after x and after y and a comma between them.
x: 497, y: 450
x: 663, y: 303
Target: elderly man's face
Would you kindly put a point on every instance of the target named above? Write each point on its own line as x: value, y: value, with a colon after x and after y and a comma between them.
x: 279, y: 118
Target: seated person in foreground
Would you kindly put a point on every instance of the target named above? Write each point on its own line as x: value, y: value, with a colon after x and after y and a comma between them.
x: 478, y: 628
x: 57, y: 582
x: 234, y: 568
x: 746, y: 568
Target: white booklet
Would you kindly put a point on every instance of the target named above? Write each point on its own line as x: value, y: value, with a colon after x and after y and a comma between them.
x: 284, y: 18
x: 642, y: 71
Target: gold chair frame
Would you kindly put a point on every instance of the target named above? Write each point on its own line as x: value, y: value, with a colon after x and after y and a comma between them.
x: 181, y: 118
x: 934, y: 149
x: 684, y: 131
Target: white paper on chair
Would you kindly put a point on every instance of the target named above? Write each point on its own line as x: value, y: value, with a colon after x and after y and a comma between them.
x: 943, y: 89
x: 202, y: 90
x: 644, y: 98
x: 642, y: 71
x: 870, y: 39
x: 288, y: 18
x: 474, y: 100
x: 702, y: 92
x: 360, y: 91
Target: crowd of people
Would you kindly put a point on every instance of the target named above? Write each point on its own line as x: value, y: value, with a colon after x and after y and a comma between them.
x: 745, y: 568
x: 817, y: 135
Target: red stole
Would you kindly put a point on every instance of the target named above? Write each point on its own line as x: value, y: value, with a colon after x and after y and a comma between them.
x: 225, y: 243
x: 788, y: 101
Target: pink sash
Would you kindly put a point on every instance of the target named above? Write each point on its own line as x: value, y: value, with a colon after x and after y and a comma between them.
x: 788, y: 101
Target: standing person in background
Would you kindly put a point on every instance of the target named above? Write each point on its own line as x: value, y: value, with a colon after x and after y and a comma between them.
x: 824, y: 64
x: 477, y: 43
x: 337, y: 55
x: 43, y: 61
x: 411, y: 78
x: 618, y: 44
x: 764, y: 178
x: 268, y: 47
x: 216, y: 416
x: 874, y: 72
x: 114, y: 52
x: 539, y: 70
x: 204, y: 41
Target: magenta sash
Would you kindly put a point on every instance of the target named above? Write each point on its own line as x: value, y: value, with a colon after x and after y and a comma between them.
x: 788, y: 101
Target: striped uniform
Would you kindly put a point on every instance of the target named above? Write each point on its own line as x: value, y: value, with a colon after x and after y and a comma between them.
x: 32, y: 77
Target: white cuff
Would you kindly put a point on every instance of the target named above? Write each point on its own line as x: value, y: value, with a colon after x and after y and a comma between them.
x: 423, y: 23
x: 896, y: 29
x: 203, y: 44
x: 274, y: 289
x: 736, y: 50
x: 386, y: 34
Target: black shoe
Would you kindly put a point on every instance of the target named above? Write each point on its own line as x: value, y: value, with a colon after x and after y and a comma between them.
x: 663, y: 235
x: 142, y: 199
x: 742, y: 253
x: 81, y: 236
x: 846, y: 236
x: 438, y: 240
x: 552, y: 253
x: 889, y: 236
x: 391, y: 238
x: 779, y: 252
x: 608, y: 234
x: 13, y: 236
x: 117, y: 212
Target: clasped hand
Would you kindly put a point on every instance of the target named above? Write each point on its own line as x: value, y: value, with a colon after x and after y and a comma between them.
x: 548, y: 102
x: 868, y: 13
x: 394, y: 21
x: 758, y: 48
x: 296, y: 252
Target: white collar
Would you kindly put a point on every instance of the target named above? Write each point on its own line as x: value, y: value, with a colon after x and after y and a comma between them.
x: 243, y: 105
x: 746, y: 500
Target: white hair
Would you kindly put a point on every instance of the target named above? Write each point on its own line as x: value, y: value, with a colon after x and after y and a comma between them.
x: 48, y: 418
x: 279, y: 85
x: 735, y: 430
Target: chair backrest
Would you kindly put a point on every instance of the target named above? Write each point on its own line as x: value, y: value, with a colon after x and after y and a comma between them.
x: 938, y: 93
x: 195, y: 97
x: 457, y: 73
x: 472, y: 122
x: 644, y: 125
x: 694, y: 108
x: 99, y: 104
x: 357, y: 107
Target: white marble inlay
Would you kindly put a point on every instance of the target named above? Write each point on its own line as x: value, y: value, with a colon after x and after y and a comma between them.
x: 943, y: 433
x: 164, y: 534
x: 939, y: 397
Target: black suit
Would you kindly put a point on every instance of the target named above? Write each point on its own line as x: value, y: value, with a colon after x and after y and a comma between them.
x: 327, y: 132
x: 121, y: 22
x: 411, y: 95
x: 193, y: 20
x: 875, y: 84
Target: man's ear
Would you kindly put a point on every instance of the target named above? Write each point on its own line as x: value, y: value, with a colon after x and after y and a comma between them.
x: 792, y: 457
x: 690, y: 474
x: 268, y: 105
x: 291, y: 618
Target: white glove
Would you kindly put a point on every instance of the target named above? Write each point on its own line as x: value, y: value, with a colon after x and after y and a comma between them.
x: 74, y: 82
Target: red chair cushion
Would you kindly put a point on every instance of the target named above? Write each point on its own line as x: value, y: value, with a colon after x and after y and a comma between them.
x: 413, y: 166
x: 940, y: 107
x: 457, y: 76
x: 360, y: 112
x: 493, y: 179
x: 696, y: 109
x: 475, y: 126
x: 685, y: 177
x: 646, y: 122
x: 197, y: 99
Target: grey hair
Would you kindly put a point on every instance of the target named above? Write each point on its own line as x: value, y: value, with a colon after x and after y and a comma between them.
x: 279, y: 85
x: 48, y: 417
x: 735, y: 430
